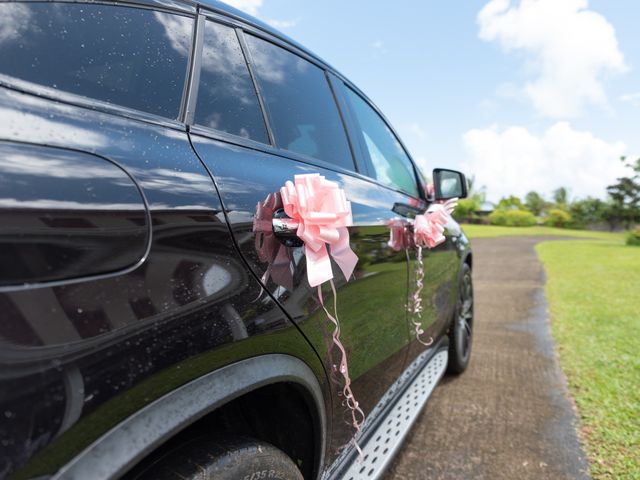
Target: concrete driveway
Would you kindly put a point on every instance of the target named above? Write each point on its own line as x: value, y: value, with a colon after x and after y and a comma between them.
x: 508, y: 416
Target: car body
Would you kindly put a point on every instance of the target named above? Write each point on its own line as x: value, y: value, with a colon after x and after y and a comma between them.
x: 136, y: 307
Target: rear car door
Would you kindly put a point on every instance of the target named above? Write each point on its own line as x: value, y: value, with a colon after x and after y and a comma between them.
x: 252, y: 157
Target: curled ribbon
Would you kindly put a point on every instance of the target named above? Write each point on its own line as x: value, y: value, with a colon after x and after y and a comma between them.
x: 428, y: 232
x: 323, y: 214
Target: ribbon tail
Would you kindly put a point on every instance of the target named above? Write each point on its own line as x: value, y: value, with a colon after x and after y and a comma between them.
x: 318, y: 266
x: 281, y: 268
x: 416, y: 301
x: 343, y: 255
x: 357, y: 415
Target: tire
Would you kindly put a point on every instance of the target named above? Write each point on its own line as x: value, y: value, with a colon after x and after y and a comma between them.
x: 236, y: 458
x: 461, y: 332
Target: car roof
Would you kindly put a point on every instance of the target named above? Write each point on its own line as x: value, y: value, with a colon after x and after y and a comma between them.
x: 226, y: 9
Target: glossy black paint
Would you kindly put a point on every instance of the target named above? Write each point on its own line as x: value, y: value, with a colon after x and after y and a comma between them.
x: 89, y: 354
x: 371, y: 306
x: 66, y: 215
x: 87, y: 347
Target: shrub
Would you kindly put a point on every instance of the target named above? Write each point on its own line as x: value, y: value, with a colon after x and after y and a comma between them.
x: 558, y: 218
x: 633, y: 237
x: 466, y: 209
x: 498, y: 217
x: 512, y: 218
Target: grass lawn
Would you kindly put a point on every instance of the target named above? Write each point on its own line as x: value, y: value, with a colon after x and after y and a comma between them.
x: 482, y: 231
x: 593, y: 289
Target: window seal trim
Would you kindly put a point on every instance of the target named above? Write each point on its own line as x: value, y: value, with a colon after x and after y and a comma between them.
x: 194, y: 66
x: 67, y: 98
x: 264, y: 108
x: 337, y: 100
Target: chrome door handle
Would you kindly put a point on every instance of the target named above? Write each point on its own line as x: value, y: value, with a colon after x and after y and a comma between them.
x: 286, y: 229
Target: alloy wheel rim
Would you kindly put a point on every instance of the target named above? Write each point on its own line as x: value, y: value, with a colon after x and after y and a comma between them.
x: 465, y: 316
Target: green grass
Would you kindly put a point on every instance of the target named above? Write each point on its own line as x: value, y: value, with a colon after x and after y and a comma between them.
x: 484, y: 231
x: 593, y: 289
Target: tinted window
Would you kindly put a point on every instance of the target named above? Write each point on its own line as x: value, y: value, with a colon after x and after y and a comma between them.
x: 389, y: 163
x: 126, y: 56
x: 227, y: 100
x: 301, y: 106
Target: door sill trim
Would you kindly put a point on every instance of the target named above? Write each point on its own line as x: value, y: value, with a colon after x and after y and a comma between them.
x: 380, y: 445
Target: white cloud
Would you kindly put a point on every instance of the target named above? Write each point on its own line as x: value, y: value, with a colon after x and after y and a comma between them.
x: 569, y: 48
x: 379, y: 47
x: 283, y: 24
x: 415, y: 129
x: 632, y: 98
x: 249, y: 6
x: 516, y: 161
x: 252, y: 7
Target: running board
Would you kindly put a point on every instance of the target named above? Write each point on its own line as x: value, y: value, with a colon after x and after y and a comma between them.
x: 386, y: 440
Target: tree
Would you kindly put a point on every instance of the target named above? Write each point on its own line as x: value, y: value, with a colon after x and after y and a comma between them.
x: 510, y: 203
x: 467, y: 207
x: 587, y: 211
x: 625, y: 196
x: 561, y: 197
x: 535, y: 203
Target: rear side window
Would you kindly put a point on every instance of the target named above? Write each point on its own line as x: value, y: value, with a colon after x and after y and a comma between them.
x: 227, y: 100
x: 126, y: 56
x: 302, y: 110
x: 388, y: 162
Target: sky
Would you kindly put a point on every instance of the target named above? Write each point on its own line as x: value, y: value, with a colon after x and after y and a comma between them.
x: 520, y: 94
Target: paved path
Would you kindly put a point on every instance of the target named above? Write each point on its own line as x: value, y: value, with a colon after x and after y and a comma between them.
x: 507, y: 416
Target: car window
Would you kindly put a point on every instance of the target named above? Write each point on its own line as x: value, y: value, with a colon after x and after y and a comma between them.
x: 227, y: 100
x: 132, y: 57
x: 302, y: 110
x: 389, y: 163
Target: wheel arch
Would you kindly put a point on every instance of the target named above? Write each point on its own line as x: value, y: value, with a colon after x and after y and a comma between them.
x: 129, y: 442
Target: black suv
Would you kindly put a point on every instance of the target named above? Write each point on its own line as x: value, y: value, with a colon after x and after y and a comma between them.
x: 150, y: 326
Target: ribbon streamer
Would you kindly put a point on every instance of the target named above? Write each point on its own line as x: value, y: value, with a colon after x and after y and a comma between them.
x: 322, y: 213
x: 416, y: 300
x: 343, y: 368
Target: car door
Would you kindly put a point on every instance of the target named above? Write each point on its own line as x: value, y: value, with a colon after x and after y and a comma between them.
x: 252, y: 157
x: 384, y: 158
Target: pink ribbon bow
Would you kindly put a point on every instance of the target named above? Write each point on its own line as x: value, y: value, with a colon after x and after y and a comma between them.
x: 429, y: 228
x: 399, y: 235
x: 323, y: 214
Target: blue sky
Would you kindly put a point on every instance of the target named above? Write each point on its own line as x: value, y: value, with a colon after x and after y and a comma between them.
x: 531, y: 94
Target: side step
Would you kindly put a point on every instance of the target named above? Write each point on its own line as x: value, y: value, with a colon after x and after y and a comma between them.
x: 387, y: 439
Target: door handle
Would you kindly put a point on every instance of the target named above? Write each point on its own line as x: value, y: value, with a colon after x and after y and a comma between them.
x: 285, y: 229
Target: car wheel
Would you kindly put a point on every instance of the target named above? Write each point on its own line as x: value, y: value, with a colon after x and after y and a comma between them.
x: 236, y: 458
x: 461, y: 333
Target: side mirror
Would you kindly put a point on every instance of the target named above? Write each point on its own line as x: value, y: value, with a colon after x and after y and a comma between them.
x: 449, y: 184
